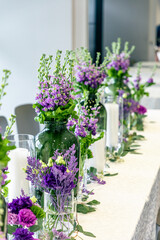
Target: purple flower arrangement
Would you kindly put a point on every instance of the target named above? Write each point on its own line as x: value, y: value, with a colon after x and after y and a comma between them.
x: 85, y: 125
x: 89, y: 77
x: 119, y: 62
x: 54, y: 100
x: 23, y: 212
x: 58, y: 176
x: 116, y: 65
x: 57, y: 179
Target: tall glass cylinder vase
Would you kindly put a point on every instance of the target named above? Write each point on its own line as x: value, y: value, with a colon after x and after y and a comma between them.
x: 114, y: 132
x: 18, y: 161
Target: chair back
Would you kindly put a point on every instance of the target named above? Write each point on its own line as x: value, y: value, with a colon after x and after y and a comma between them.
x: 3, y: 124
x: 25, y: 122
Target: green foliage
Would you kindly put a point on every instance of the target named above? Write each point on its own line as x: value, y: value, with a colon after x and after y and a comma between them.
x: 35, y: 228
x: 4, y: 148
x: 4, y: 83
x: 62, y: 113
x: 39, y: 212
x: 80, y: 229
x: 11, y: 229
x: 9, y: 127
x: 128, y: 146
x: 84, y: 208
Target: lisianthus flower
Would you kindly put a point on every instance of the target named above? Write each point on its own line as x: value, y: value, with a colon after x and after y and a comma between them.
x: 19, y: 203
x: 26, y: 217
x: 23, y: 234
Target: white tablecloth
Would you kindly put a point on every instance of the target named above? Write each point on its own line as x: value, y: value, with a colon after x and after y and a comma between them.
x: 130, y: 200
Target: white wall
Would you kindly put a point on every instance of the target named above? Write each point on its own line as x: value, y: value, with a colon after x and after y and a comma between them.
x: 28, y: 29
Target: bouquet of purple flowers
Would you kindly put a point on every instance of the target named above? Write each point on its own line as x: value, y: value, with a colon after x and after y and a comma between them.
x: 23, y: 216
x: 55, y: 101
x: 116, y: 65
x: 57, y: 179
x: 89, y: 76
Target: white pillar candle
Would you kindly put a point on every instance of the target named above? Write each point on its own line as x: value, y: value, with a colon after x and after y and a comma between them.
x: 99, y: 158
x: 112, y: 124
x: 18, y: 161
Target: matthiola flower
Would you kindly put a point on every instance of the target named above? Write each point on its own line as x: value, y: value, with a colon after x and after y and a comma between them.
x: 86, y: 125
x: 23, y: 234
x: 26, y: 217
x: 137, y: 81
x: 19, y: 203
x: 91, y: 76
x: 119, y: 62
x: 129, y: 105
x: 53, y: 93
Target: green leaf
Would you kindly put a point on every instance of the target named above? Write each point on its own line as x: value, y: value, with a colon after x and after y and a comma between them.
x: 89, y: 234
x: 38, y: 211
x: 12, y: 229
x: 35, y: 228
x: 82, y: 208
x: 110, y: 175
x: 80, y: 229
x: 93, y: 202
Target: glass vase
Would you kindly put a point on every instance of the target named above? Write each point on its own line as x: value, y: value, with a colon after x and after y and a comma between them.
x: 114, y: 132
x: 55, y: 136
x: 60, y: 214
x: 18, y: 161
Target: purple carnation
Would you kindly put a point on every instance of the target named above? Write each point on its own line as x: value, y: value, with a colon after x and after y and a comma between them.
x: 26, y: 217
x: 13, y: 218
x: 23, y: 234
x: 141, y: 110
x: 19, y: 203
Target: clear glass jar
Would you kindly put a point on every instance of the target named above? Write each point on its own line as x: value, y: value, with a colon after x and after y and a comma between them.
x: 60, y: 213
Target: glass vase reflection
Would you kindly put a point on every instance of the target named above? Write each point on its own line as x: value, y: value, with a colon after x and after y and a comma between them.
x: 60, y: 214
